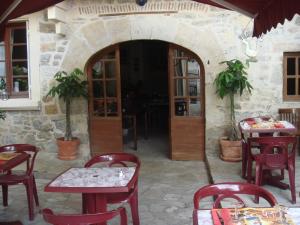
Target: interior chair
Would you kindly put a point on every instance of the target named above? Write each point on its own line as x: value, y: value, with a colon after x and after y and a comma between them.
x: 126, y: 160
x: 232, y: 190
x: 275, y: 153
x: 84, y: 219
x: 291, y: 115
x: 25, y: 177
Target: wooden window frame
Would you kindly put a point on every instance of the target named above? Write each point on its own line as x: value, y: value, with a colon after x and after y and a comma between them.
x: 287, y: 97
x: 186, y: 96
x: 9, y: 61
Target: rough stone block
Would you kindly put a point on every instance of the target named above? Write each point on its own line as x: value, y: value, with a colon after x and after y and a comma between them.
x: 51, y: 109
x: 47, y: 28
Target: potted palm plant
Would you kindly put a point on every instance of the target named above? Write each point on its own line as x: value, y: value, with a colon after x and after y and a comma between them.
x: 229, y: 82
x: 70, y: 86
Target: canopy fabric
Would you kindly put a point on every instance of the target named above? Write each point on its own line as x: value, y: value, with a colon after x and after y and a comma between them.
x: 10, y: 9
x: 266, y: 13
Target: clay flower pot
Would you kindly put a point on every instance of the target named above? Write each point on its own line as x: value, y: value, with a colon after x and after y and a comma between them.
x: 231, y: 150
x: 67, y: 150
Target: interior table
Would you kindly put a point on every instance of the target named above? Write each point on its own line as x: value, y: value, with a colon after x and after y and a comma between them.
x: 204, y: 217
x: 94, y: 184
x: 15, y: 160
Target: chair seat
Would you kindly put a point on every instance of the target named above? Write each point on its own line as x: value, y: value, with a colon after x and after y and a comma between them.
x: 13, y: 178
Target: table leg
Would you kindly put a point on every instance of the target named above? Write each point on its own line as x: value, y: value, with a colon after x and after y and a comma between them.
x: 94, y: 203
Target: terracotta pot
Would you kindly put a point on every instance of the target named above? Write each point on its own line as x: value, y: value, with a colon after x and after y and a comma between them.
x: 67, y: 150
x: 231, y: 150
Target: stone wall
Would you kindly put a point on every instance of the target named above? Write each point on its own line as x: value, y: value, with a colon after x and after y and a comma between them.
x: 211, y: 33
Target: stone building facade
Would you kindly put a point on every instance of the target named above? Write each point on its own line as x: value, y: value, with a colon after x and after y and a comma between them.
x: 84, y: 27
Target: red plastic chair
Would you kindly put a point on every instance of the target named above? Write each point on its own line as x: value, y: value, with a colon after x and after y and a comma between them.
x: 228, y: 190
x: 84, y: 219
x: 26, y: 178
x: 275, y: 153
x: 244, y: 141
x: 122, y: 159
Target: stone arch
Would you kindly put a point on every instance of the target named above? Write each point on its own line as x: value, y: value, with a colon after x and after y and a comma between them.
x: 94, y: 36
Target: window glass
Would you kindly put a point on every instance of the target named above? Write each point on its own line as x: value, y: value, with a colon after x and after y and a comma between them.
x: 193, y: 68
x: 180, y: 107
x: 194, y: 87
x: 18, y: 35
x: 98, y: 91
x: 99, y: 108
x: 180, y: 87
x: 111, y: 88
x: 180, y: 68
x: 291, y: 86
x: 97, y: 70
x: 291, y: 66
x: 2, y: 51
x: 112, y: 107
x: 2, y: 69
x: 110, y: 69
x: 194, y: 107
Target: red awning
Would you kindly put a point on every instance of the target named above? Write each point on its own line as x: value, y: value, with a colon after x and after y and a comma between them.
x: 266, y: 13
x: 10, y: 9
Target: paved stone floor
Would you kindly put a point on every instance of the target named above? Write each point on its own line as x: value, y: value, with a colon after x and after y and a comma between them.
x: 166, y: 187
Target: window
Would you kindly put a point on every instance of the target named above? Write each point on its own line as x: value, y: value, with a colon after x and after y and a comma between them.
x: 291, y: 76
x: 14, y: 60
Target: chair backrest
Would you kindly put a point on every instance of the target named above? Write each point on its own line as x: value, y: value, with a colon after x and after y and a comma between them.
x: 122, y: 159
x: 291, y: 115
x: 275, y: 151
x: 84, y: 219
x: 27, y: 148
x: 231, y: 190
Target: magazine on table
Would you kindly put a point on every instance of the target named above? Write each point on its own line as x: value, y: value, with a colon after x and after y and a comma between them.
x: 250, y: 216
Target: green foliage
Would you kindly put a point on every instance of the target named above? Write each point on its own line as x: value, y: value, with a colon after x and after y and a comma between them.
x: 69, y: 86
x: 229, y: 82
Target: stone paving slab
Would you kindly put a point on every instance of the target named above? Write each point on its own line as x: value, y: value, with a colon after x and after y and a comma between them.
x: 222, y: 171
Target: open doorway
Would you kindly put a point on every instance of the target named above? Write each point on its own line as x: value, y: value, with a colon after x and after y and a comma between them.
x: 145, y: 95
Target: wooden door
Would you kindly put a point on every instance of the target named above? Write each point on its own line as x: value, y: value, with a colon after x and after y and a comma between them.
x: 186, y: 91
x: 105, y: 117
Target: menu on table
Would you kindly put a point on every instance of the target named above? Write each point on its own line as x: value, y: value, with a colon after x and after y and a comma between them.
x: 4, y: 156
x: 250, y: 216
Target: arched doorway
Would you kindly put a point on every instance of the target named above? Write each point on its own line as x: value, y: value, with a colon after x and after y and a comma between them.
x: 185, y: 77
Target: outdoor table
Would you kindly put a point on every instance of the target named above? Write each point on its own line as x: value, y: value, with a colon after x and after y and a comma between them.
x: 246, y: 129
x: 6, y: 165
x: 205, y: 217
x: 94, y: 184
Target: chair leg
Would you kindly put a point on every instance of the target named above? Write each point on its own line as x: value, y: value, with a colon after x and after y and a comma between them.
x: 258, y: 175
x: 123, y: 216
x: 244, y: 160
x: 36, y: 197
x: 292, y: 182
x: 5, y: 194
x: 29, y: 191
x: 135, y: 209
x: 249, y: 170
